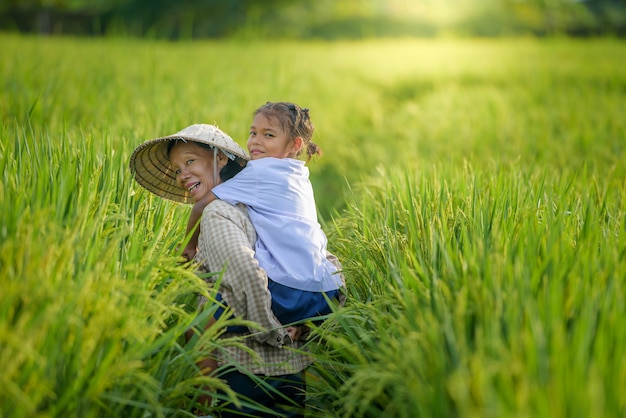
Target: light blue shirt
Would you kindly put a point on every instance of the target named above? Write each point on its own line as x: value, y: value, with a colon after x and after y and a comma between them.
x: 291, y: 246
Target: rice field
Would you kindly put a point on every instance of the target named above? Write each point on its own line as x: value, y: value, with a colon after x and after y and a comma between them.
x: 475, y: 191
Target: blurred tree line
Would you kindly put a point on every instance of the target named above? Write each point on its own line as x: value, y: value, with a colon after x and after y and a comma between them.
x: 325, y: 19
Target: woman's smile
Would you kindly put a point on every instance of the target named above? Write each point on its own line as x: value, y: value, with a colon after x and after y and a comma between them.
x: 193, y: 186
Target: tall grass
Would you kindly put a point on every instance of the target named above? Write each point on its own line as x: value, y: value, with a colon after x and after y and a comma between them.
x: 474, y: 191
x: 91, y: 317
x: 481, y: 292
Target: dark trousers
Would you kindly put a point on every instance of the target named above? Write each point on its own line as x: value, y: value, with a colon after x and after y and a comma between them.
x: 284, y: 395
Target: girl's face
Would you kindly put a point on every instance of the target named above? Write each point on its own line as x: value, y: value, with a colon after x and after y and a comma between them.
x: 194, y: 168
x: 268, y: 139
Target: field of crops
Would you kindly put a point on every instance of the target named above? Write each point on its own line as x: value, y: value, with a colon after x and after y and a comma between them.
x: 475, y: 191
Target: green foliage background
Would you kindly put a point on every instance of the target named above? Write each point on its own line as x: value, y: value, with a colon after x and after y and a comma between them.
x: 473, y: 189
x: 321, y: 19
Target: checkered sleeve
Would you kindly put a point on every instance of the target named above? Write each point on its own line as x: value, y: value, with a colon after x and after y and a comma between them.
x: 227, y: 239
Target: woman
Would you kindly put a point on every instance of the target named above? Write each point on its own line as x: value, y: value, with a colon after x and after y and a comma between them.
x: 184, y: 167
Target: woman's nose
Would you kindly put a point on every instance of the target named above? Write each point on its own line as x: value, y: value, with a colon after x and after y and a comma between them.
x: 184, y: 171
x: 181, y: 177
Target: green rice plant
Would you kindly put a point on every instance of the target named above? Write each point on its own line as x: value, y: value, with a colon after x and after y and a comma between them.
x: 478, y: 295
x: 477, y: 197
x: 93, y: 305
x: 377, y: 103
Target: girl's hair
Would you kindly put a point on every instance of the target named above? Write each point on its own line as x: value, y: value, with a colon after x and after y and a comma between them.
x: 295, y: 121
x: 227, y: 172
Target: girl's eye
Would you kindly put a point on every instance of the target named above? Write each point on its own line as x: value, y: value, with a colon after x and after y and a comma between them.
x: 177, y: 172
x: 189, y: 162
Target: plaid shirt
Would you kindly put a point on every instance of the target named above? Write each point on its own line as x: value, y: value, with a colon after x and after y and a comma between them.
x: 227, y: 238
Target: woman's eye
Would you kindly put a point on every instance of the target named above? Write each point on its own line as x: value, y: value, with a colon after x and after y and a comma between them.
x: 189, y: 162
x: 177, y: 172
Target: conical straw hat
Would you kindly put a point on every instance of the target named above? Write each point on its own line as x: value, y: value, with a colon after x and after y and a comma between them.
x: 152, y: 169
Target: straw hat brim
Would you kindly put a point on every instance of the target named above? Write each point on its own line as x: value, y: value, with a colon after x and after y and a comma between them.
x: 152, y: 169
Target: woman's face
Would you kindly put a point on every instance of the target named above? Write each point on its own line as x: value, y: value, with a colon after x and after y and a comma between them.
x: 194, y: 168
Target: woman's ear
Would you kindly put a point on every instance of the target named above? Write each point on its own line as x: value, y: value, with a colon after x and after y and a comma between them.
x: 222, y: 160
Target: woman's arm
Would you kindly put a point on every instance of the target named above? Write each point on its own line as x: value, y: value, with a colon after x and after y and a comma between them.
x: 227, y: 239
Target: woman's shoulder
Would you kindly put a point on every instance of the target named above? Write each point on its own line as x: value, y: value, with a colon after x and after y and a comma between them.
x: 222, y: 209
x: 220, y: 217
